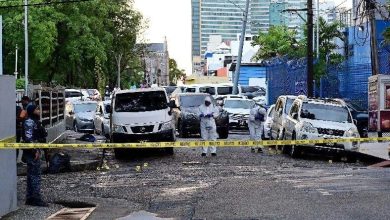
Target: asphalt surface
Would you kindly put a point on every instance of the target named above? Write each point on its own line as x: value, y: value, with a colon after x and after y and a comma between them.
x: 237, y: 184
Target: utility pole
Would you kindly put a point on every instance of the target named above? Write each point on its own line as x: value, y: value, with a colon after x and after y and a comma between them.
x: 26, y: 46
x: 16, y: 62
x: 370, y: 8
x: 118, y: 62
x: 318, y: 29
x: 242, y: 38
x: 310, y: 67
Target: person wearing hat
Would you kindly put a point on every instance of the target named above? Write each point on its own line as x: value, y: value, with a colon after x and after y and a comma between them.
x: 33, y: 134
x: 208, y: 129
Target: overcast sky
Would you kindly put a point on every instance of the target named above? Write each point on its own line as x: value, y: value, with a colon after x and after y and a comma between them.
x: 172, y: 19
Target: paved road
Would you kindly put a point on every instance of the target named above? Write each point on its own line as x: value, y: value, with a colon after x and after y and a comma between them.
x: 236, y: 184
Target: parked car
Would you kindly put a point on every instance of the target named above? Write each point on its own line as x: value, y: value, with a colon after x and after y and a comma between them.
x: 252, y: 91
x: 361, y: 116
x: 94, y: 94
x: 102, y: 118
x: 239, y: 111
x: 187, y: 119
x: 268, y: 122
x: 73, y: 95
x: 141, y: 115
x: 311, y: 119
x: 215, y: 90
x: 282, y: 108
x: 79, y: 115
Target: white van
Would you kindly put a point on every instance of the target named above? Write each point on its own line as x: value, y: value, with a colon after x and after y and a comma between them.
x: 221, y: 90
x: 141, y: 115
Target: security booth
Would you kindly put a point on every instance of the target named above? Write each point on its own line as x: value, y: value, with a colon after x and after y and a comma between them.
x: 379, y: 104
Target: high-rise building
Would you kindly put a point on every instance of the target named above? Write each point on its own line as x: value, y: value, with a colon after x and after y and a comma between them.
x: 224, y: 18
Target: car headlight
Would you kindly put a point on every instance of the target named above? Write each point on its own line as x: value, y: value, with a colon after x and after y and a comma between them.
x: 166, y: 126
x: 118, y: 129
x: 308, y: 128
x: 352, y: 132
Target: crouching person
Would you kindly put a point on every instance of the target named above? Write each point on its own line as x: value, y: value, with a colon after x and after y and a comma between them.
x: 33, y: 133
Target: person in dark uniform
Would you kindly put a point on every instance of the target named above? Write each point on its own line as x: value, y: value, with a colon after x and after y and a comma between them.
x: 33, y: 133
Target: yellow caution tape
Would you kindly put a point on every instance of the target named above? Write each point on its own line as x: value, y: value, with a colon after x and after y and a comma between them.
x: 5, y: 143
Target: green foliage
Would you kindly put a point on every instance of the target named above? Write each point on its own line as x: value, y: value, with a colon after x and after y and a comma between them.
x: 279, y: 41
x: 20, y: 83
x: 69, y: 42
x: 174, y: 72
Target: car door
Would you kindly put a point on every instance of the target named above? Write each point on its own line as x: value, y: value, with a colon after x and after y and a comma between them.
x: 96, y: 118
x: 69, y: 117
x: 290, y: 121
x: 277, y: 120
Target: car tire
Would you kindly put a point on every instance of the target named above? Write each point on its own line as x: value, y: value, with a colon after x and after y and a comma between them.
x: 294, y: 151
x: 182, y: 131
x: 75, y: 127
x: 285, y: 148
x: 224, y: 134
x: 169, y: 151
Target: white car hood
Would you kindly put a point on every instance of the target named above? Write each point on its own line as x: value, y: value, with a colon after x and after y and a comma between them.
x: 242, y: 111
x: 141, y: 118
x: 330, y: 124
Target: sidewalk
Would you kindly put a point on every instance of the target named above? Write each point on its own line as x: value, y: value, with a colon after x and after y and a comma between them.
x: 379, y: 150
x: 80, y: 159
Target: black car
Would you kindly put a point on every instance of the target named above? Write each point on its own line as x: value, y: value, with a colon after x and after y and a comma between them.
x: 187, y: 119
x: 361, y: 117
x: 252, y: 91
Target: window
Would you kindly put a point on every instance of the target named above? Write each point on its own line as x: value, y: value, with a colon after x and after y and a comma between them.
x: 192, y: 100
x: 294, y: 109
x: 191, y: 90
x: 225, y: 90
x: 325, y: 112
x: 141, y: 101
x: 209, y: 90
x: 85, y: 107
x: 289, y: 103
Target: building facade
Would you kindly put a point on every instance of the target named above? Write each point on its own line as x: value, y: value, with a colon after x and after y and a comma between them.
x: 156, y: 64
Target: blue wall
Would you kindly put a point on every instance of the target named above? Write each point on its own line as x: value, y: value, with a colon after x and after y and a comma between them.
x: 251, y: 71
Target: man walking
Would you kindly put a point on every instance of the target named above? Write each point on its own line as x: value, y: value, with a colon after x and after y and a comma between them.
x: 208, y: 129
x: 256, y: 125
x: 33, y: 133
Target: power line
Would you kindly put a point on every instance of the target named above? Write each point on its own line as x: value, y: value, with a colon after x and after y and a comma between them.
x: 43, y: 4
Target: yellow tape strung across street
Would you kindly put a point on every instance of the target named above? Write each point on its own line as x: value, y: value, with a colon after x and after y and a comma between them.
x: 6, y: 143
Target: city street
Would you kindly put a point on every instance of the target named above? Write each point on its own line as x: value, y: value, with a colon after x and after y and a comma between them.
x: 237, y: 184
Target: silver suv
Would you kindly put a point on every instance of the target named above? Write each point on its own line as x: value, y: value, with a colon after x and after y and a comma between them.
x: 311, y: 119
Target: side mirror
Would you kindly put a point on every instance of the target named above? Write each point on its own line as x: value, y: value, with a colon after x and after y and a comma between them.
x: 71, y: 113
x: 355, y: 121
x: 295, y: 116
x: 172, y: 104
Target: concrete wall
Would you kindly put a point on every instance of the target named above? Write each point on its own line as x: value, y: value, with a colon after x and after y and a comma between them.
x: 8, y: 180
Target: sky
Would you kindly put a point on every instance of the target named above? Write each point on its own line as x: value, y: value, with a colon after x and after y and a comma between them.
x: 172, y: 19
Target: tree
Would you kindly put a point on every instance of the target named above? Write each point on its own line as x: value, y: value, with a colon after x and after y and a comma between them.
x: 68, y: 41
x: 279, y: 41
x: 174, y: 72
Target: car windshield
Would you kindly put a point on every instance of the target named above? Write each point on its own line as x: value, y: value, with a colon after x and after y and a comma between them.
x: 170, y: 89
x: 228, y: 90
x: 141, y: 101
x: 209, y: 90
x: 249, y: 89
x: 192, y: 100
x: 355, y: 107
x: 289, y: 103
x: 73, y: 94
x: 85, y: 107
x: 245, y: 104
x: 325, y: 112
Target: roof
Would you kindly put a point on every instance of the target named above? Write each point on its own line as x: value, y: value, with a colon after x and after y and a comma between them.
x: 156, y: 47
x: 140, y: 90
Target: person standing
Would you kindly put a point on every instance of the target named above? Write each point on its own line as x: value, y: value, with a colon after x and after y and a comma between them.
x: 33, y: 133
x: 256, y: 125
x: 208, y: 129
